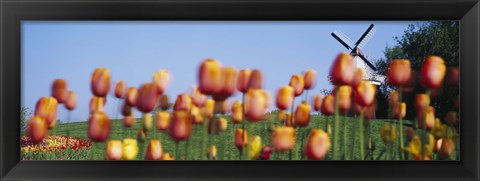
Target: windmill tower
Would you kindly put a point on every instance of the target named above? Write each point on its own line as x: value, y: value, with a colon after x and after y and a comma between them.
x: 360, y: 60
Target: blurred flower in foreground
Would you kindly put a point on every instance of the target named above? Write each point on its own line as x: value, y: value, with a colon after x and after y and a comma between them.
x: 164, y: 102
x: 388, y: 133
x: 161, y: 79
x: 147, y: 122
x: 365, y: 93
x: 255, y: 104
x: 47, y: 109
x: 198, y: 98
x: 265, y: 154
x: 37, y: 129
x: 71, y: 102
x: 357, y: 78
x: 255, y: 146
x: 256, y: 80
x: 130, y: 149
x: 100, y: 82
x: 302, y: 115
x: 283, y: 138
x: 285, y: 97
x: 342, y: 70
x: 344, y: 97
x: 141, y: 135
x: 97, y: 104
x: 209, y: 108
x: 167, y: 156
x: 399, y: 72
x: 163, y: 120
x: 227, y: 84
x: 196, y: 115
x: 99, y: 127
x: 310, y: 79
x: 296, y: 82
x: 59, y: 90
x: 132, y: 96
x: 182, y: 103
x: 318, y: 144
x: 114, y: 150
x: 432, y: 72
x: 120, y: 89
x: 126, y: 109
x: 147, y: 97
x: 422, y: 101
x: 237, y: 112
x: 328, y: 105
x: 209, y: 76
x: 212, y: 152
x: 317, y: 102
x: 222, y: 107
x: 239, y: 141
x: 243, y: 79
x: 181, y: 126
x: 427, y: 116
x: 154, y: 150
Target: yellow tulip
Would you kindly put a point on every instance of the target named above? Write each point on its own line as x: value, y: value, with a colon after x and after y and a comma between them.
x: 163, y: 120
x: 209, y: 108
x: 255, y: 147
x: 114, y: 150
x: 388, y: 133
x: 147, y: 122
x: 130, y: 149
x: 161, y: 79
x: 237, y: 112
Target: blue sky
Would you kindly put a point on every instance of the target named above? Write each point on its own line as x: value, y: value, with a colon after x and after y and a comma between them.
x: 133, y: 51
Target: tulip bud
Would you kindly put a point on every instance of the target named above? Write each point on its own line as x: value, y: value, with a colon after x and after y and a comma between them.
x: 181, y: 126
x: 47, y: 109
x: 128, y: 121
x: 147, y: 122
x: 410, y: 133
x: 302, y: 115
x: 453, y: 76
x: 357, y: 78
x: 212, y: 152
x: 147, y: 97
x: 114, y: 150
x: 265, y: 155
x: 400, y: 110
x: 317, y: 102
x: 132, y: 96
x: 256, y: 80
x: 285, y: 97
x: 99, y: 127
x: 154, y: 150
x: 100, y: 82
x: 283, y: 138
x: 254, y: 148
x: 255, y: 105
x: 393, y: 98
x: 126, y: 109
x: 318, y: 144
x: 328, y: 105
x: 198, y: 98
x: 71, y: 102
x: 388, y: 133
x: 183, y: 103
x: 422, y: 101
x: 161, y: 79
x: 209, y: 108
x: 210, y: 76
x: 167, y: 156
x: 196, y: 115
x: 163, y: 120
x: 296, y: 82
x: 97, y: 104
x: 59, y: 90
x: 37, y: 128
x: 432, y: 72
x: 243, y: 79
x: 451, y: 118
x: 164, y: 103
x: 365, y: 93
x: 309, y: 79
x: 130, y: 149
x: 342, y: 70
x: 227, y: 84
x: 120, y: 89
x: 399, y: 72
x: 344, y: 97
x: 447, y: 148
x: 241, y: 138
x: 427, y: 116
x: 237, y: 112
x: 141, y: 135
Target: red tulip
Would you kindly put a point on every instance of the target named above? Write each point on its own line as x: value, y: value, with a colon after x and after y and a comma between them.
x: 59, y: 90
x: 126, y: 109
x: 227, y: 84
x: 256, y: 80
x: 47, y: 109
x: 432, y: 72
x: 114, y: 150
x: 161, y: 79
x: 365, y: 93
x: 132, y: 96
x: 310, y: 79
x: 241, y: 138
x: 71, y: 102
x: 302, y: 115
x: 317, y: 102
x: 128, y: 121
x: 399, y: 72
x: 183, y: 102
x: 318, y: 144
x: 358, y: 77
x: 147, y: 97
x: 181, y: 126
x: 37, y: 128
x: 328, y: 105
x: 297, y: 83
x: 285, y: 97
x: 164, y: 103
x: 99, y: 127
x: 120, y: 89
x: 97, y: 104
x: 453, y: 76
x: 243, y: 79
x: 198, y: 98
x: 343, y: 70
x: 100, y: 82
x: 255, y: 105
x: 209, y: 77
x: 154, y: 150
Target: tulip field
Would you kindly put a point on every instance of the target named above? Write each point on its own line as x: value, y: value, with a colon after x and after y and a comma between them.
x: 204, y: 123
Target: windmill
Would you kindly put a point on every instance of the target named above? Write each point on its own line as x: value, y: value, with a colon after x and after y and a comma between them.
x: 359, y: 58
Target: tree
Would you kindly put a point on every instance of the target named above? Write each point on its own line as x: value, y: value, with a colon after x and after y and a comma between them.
x: 25, y: 113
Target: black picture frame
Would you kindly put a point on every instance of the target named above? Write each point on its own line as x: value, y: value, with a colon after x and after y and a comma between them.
x: 12, y: 12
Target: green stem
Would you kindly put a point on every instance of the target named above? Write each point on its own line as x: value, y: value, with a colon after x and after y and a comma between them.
x: 335, y: 130
x: 292, y: 115
x: 243, y: 127
x: 361, y: 134
x: 176, y: 150
x: 400, y: 126
x: 345, y: 137
x: 352, y: 155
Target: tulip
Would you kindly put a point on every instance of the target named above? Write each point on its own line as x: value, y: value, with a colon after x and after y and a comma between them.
x: 393, y: 98
x: 283, y: 138
x: 399, y: 72
x: 451, y: 118
x: 400, y: 110
x: 147, y: 97
x: 120, y: 89
x: 410, y: 133
x: 147, y: 122
x: 128, y: 121
x: 453, y: 76
x: 285, y: 97
x: 182, y: 103
x: 198, y: 98
x: 227, y: 84
x: 408, y: 88
x: 210, y: 76
x: 167, y: 156
x: 46, y: 108
x: 209, y: 108
x: 99, y: 127
x: 296, y: 82
x: 265, y: 155
x: 447, y: 148
x: 358, y: 77
x: 130, y: 149
x: 289, y: 120
x: 342, y: 71
x: 37, y: 128
x: 243, y: 79
x: 256, y: 80
x: 132, y: 96
x: 310, y: 79
x: 59, y: 90
x: 344, y: 97
x: 428, y: 117
x: 114, y: 150
x: 439, y: 130
x: 181, y: 126
x: 164, y: 103
x: 141, y: 135
x: 302, y: 115
x: 282, y: 115
x: 255, y: 105
x: 126, y: 109
x: 422, y: 101
x: 223, y: 107
x: 388, y: 133
x: 163, y: 120
x: 220, y: 123
x: 196, y: 115
x: 317, y: 102
x: 432, y: 72
x: 97, y: 104
x: 161, y: 79
x: 100, y: 82
x: 318, y: 144
x: 212, y: 152
x: 237, y: 112
x: 328, y: 105
x: 239, y: 141
x: 71, y: 102
x: 254, y: 148
x: 415, y: 148
x: 365, y: 94
x: 154, y: 150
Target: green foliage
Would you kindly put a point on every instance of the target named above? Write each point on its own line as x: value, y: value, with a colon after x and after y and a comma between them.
x: 25, y: 113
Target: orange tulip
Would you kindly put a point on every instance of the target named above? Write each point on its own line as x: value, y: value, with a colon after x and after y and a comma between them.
x: 196, y: 115
x: 448, y: 146
x: 285, y: 97
x: 163, y: 120
x: 243, y: 79
x: 222, y: 107
x: 147, y: 97
x: 99, y: 127
x: 181, y: 126
x: 71, y: 102
x: 239, y: 141
x: 120, y: 89
x: 422, y: 101
x: 328, y: 105
x: 282, y: 115
x: 317, y: 102
x: 309, y: 79
x: 400, y: 110
x: 210, y: 76
x: 161, y: 79
x: 342, y: 70
x: 154, y: 150
x: 227, y: 84
x: 164, y: 103
x: 114, y: 150
x: 451, y: 118
x: 296, y: 82
x: 126, y: 109
x: 283, y: 138
x: 198, y: 98
x: 358, y: 77
x: 97, y: 104
x: 100, y: 82
x: 256, y: 80
x: 255, y: 105
x: 302, y: 115
x: 399, y: 72
x: 37, y: 128
x: 237, y: 112
x: 167, y: 156
x: 59, y: 90
x: 365, y: 93
x: 427, y: 116
x: 47, y: 109
x: 393, y: 98
x: 128, y: 121
x: 453, y: 77
x: 182, y: 103
x: 132, y: 96
x: 318, y: 144
x: 344, y: 97
x: 209, y: 108
x: 432, y: 72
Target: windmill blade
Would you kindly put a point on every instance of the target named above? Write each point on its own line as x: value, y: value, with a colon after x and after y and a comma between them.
x: 342, y: 39
x: 364, y: 35
x: 367, y: 62
x: 367, y: 38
